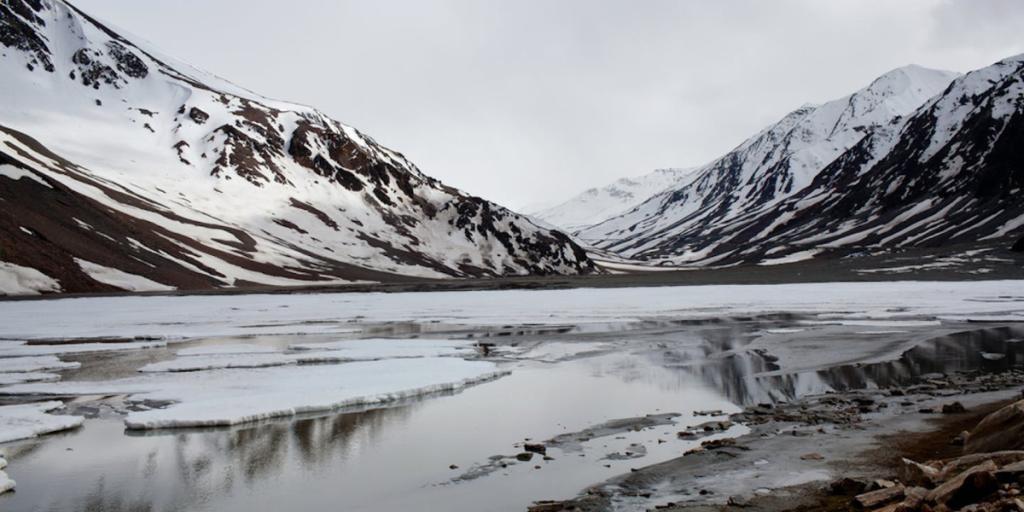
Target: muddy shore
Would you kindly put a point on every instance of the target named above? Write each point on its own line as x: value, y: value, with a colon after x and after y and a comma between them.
x: 795, y: 450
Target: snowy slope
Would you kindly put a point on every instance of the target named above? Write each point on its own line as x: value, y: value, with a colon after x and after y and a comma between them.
x: 123, y: 168
x: 596, y: 205
x: 869, y: 170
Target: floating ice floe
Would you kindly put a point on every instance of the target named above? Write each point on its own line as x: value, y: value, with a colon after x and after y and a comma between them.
x: 77, y: 348
x: 374, y: 349
x: 23, y: 377
x: 6, y: 484
x: 218, y: 361
x: 25, y: 421
x: 229, y: 397
x: 34, y: 364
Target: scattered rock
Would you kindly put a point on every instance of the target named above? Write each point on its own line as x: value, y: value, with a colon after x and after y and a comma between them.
x: 525, y: 457
x: 453, y: 466
x: 812, y: 456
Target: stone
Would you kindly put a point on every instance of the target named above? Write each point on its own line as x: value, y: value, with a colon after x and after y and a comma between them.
x: 944, y: 492
x: 1008, y: 474
x: 880, y: 497
x: 525, y: 457
x: 914, y: 498
x: 536, y: 448
x: 849, y: 486
x: 1000, y: 431
x: 812, y: 456
x: 975, y: 487
x: 917, y: 475
x: 737, y: 501
x: 953, y: 408
x: 1000, y: 459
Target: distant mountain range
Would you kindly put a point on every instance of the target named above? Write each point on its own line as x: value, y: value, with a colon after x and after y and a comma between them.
x: 917, y: 158
x: 596, y: 205
x: 122, y: 168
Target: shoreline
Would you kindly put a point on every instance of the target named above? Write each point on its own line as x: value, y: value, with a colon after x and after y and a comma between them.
x: 794, y: 451
x: 959, y: 263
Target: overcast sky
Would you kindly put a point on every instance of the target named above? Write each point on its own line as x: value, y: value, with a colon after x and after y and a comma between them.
x: 525, y: 101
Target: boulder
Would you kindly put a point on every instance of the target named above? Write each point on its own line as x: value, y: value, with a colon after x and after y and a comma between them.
x: 976, y: 487
x: 880, y: 497
x: 999, y: 431
x: 918, y: 475
x: 946, y: 491
x: 849, y: 486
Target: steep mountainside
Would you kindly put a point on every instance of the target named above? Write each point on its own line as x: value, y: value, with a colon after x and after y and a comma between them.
x: 916, y: 158
x: 123, y: 168
x: 596, y: 205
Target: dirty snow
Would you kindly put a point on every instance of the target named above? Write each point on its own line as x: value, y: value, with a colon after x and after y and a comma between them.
x: 23, y: 377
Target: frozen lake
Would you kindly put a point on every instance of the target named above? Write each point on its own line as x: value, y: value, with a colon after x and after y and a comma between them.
x: 432, y: 393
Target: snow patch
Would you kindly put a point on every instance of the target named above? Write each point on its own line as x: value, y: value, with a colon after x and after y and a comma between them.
x: 18, y: 280
x: 120, y: 279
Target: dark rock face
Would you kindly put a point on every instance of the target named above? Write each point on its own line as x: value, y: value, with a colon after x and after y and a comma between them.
x: 18, y: 21
x: 1018, y: 246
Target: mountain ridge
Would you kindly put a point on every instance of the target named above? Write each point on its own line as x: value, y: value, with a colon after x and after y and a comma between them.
x: 316, y: 200
x: 854, y: 192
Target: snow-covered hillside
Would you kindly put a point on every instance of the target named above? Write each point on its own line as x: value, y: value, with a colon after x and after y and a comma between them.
x: 919, y: 157
x: 124, y: 168
x: 596, y: 205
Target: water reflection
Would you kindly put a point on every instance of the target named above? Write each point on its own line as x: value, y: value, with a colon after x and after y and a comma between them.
x: 357, y: 459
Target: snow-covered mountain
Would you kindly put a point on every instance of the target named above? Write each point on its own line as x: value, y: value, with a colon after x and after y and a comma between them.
x: 919, y: 157
x: 124, y: 168
x: 596, y: 205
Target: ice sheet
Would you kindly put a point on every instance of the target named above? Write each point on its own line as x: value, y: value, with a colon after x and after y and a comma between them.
x: 22, y: 377
x: 34, y: 364
x: 331, y: 313
x: 228, y: 397
x: 77, y: 348
x: 31, y: 420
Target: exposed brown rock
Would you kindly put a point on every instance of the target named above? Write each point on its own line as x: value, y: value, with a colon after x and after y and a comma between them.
x: 999, y: 431
x: 879, y: 497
